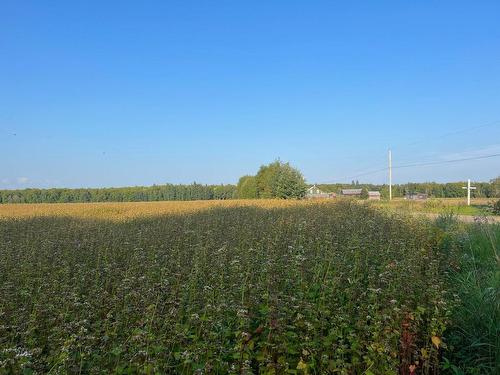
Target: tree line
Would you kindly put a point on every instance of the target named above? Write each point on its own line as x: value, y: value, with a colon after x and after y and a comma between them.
x: 167, y: 192
x: 489, y: 189
x: 275, y: 180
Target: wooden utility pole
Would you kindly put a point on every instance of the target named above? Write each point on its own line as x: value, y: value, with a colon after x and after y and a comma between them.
x: 469, y: 188
x: 390, y: 175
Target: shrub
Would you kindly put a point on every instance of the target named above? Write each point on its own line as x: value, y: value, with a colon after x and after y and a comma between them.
x: 496, y: 207
x: 473, y: 336
x: 280, y: 180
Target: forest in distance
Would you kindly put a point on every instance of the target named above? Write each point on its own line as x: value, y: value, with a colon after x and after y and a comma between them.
x: 196, y: 191
x: 277, y: 179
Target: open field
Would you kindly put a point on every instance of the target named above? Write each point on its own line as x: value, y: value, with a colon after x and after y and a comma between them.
x: 262, y: 286
x: 305, y: 288
x: 457, y: 206
x: 127, y: 210
x: 119, y: 211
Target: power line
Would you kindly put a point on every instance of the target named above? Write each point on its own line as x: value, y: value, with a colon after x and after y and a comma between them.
x: 465, y: 130
x: 369, y: 173
x: 461, y: 131
x: 430, y: 163
x: 468, y: 129
x: 447, y: 161
x: 354, y: 176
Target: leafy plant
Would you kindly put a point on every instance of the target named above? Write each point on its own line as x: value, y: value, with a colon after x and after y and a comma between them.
x: 274, y: 287
x: 473, y: 271
x: 496, y: 207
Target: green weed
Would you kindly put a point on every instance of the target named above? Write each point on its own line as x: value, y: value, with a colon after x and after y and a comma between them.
x: 332, y: 288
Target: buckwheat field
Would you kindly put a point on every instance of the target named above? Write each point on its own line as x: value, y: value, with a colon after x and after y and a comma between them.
x: 271, y: 287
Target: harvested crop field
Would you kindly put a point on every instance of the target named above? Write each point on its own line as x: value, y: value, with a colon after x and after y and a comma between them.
x: 268, y: 288
x: 120, y: 211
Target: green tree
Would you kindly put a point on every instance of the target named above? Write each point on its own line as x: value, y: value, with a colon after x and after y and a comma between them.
x: 495, y: 187
x: 280, y: 180
x: 496, y: 207
x: 364, y: 193
x: 247, y: 187
x: 289, y: 183
x: 266, y: 179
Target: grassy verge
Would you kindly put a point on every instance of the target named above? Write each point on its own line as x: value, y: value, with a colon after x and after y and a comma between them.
x: 481, y: 207
x: 473, y: 337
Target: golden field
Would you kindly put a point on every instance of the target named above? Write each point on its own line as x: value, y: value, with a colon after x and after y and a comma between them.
x: 130, y: 210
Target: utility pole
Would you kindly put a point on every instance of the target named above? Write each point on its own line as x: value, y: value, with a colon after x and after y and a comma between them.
x: 469, y: 188
x: 390, y: 175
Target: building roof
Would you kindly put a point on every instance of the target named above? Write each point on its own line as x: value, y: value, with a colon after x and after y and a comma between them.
x: 314, y: 190
x: 374, y: 193
x: 417, y: 196
x: 351, y: 191
x: 314, y: 187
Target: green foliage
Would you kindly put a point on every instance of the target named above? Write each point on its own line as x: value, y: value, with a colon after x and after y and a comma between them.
x: 364, y: 193
x: 166, y: 192
x: 496, y: 207
x: 436, y: 190
x: 473, y: 270
x: 276, y: 180
x: 331, y: 288
x: 266, y: 179
x: 247, y: 187
x: 280, y: 180
x: 289, y: 183
x: 495, y: 187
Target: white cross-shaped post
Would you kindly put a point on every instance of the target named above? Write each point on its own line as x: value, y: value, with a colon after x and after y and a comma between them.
x: 469, y: 188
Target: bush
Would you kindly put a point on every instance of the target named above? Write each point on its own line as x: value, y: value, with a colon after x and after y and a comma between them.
x: 473, y: 337
x: 247, y: 187
x: 280, y: 180
x: 496, y: 207
x: 364, y: 193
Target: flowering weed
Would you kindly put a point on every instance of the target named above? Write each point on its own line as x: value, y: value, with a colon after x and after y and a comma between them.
x: 300, y: 288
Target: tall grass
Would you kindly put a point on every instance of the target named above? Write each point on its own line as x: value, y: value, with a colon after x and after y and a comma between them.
x: 474, y: 276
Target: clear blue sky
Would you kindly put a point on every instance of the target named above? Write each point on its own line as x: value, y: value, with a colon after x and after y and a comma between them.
x: 103, y: 93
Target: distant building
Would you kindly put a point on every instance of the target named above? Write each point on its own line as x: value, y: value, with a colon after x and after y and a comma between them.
x: 314, y: 192
x: 351, y: 192
x: 374, y: 195
x: 417, y: 196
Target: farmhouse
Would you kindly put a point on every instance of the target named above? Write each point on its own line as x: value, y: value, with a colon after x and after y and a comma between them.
x: 314, y: 192
x: 351, y: 192
x: 374, y: 195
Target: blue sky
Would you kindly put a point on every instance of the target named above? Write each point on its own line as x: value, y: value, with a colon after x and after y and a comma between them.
x: 135, y: 93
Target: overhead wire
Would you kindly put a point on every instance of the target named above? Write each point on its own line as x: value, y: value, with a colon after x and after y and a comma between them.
x: 445, y: 161
x: 430, y: 163
x: 448, y: 134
